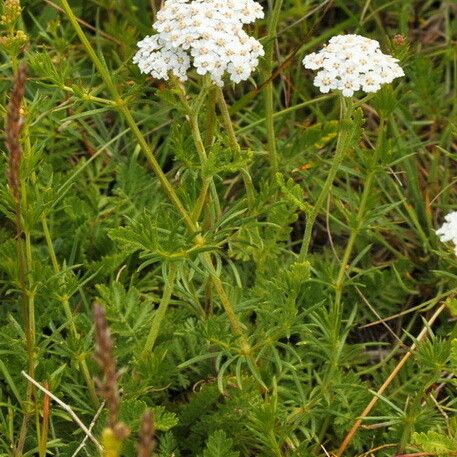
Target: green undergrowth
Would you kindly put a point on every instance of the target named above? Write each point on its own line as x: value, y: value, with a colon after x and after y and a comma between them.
x: 317, y: 335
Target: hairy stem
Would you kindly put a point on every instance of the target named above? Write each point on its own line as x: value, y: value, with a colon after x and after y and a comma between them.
x: 210, y: 121
x: 250, y: 191
x: 201, y: 150
x: 337, y: 310
x: 210, y: 126
x: 217, y: 283
x: 342, y: 273
x: 343, y: 142
x: 166, y: 185
x: 124, y: 110
x: 235, y: 324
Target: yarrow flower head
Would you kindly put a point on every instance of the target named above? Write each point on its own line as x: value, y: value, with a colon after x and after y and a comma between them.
x: 207, y: 34
x: 448, y: 231
x: 350, y: 63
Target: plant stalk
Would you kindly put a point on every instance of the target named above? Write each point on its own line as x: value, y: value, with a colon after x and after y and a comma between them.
x: 124, y: 110
x: 161, y: 311
x: 343, y: 142
x: 166, y: 185
x: 342, y: 273
x: 249, y: 186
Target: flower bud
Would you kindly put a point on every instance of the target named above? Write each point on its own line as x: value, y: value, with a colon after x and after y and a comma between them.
x: 11, y: 12
x: 399, y: 40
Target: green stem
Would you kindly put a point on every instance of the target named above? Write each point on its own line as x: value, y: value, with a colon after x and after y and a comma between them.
x: 268, y: 89
x: 161, y: 311
x: 50, y: 245
x: 200, y: 204
x: 228, y: 122
x: 209, y: 140
x: 248, y: 184
x: 271, y: 136
x: 201, y: 150
x: 88, y: 97
x: 235, y: 324
x: 337, y: 311
x: 210, y: 122
x: 193, y: 122
x: 343, y: 142
x: 166, y: 185
x: 217, y: 283
x: 124, y: 110
x: 359, y: 222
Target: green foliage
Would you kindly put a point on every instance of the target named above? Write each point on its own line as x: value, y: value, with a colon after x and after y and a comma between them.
x: 219, y: 445
x: 96, y: 225
x: 436, y: 443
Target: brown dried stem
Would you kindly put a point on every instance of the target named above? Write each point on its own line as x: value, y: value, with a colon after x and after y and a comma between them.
x: 108, y: 386
x: 146, y: 442
x: 13, y: 128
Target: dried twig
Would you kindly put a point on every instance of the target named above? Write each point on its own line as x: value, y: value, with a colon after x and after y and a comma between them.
x: 347, y: 440
x: 91, y: 426
x: 65, y: 407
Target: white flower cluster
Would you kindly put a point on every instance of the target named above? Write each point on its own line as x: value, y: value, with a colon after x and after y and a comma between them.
x: 350, y: 63
x: 448, y: 231
x: 206, y: 33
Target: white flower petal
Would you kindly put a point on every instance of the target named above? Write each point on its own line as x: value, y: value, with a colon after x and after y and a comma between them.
x: 352, y: 62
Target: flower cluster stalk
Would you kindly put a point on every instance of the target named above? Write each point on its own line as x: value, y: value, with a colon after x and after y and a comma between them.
x: 210, y: 121
x: 210, y: 127
x: 191, y: 225
x: 249, y: 186
x: 359, y: 221
x: 336, y: 307
x: 192, y: 117
x: 342, y: 146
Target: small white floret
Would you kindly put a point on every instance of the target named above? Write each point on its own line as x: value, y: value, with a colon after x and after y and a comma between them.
x: 448, y: 231
x: 350, y: 63
x: 209, y: 33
